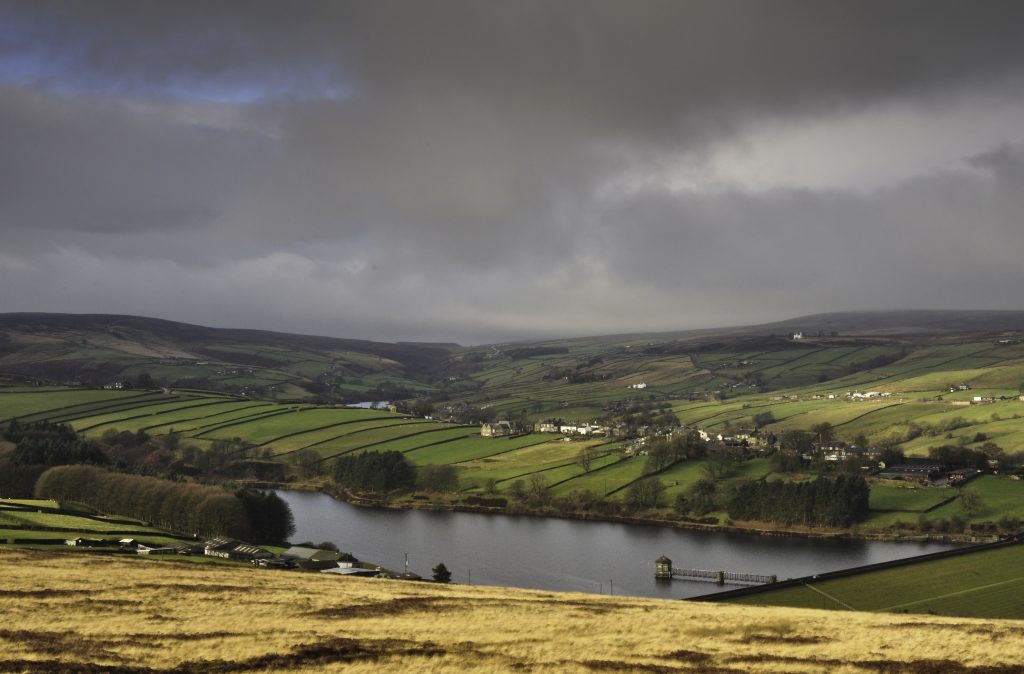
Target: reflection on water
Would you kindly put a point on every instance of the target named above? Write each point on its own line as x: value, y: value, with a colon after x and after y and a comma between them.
x: 569, y: 555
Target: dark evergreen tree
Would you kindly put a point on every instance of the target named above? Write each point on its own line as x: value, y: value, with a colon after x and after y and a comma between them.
x: 441, y: 573
x: 375, y: 472
x: 270, y: 518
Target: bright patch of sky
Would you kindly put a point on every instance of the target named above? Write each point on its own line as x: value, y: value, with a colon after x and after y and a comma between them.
x: 858, y: 151
x: 30, y: 61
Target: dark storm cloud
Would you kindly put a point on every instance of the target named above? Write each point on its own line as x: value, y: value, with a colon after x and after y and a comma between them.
x: 97, y: 166
x: 401, y: 169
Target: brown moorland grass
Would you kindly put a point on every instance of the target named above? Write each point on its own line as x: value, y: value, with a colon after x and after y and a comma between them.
x: 90, y: 614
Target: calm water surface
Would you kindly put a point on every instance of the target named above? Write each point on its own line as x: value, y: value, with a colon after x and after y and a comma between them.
x: 568, y: 555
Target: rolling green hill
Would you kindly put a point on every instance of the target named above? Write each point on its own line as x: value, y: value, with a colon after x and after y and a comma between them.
x: 100, y: 350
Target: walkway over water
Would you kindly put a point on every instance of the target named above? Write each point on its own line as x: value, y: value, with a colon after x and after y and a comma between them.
x: 722, y: 577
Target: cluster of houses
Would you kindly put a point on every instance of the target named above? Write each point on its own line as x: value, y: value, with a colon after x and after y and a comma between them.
x: 929, y: 474
x: 502, y: 429
x: 295, y: 557
x: 857, y: 395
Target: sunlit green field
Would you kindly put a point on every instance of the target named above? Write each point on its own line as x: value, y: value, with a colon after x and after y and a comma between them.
x: 909, y: 498
x: 43, y: 524
x: 987, y: 584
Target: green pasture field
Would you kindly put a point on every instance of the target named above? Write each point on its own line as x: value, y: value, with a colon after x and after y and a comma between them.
x: 193, y: 415
x: 228, y: 419
x: 325, y: 438
x: 907, y: 499
x: 42, y: 534
x: 66, y: 525
x: 143, y: 414
x: 62, y: 521
x: 106, y: 406
x: 468, y: 449
x: 682, y: 476
x: 999, y: 496
x: 879, y: 422
x: 836, y: 412
x: 788, y: 414
x: 124, y: 409
x: 607, y: 479
x: 696, y: 413
x: 34, y: 503
x: 261, y: 431
x: 530, y: 459
x: 443, y: 433
x: 20, y: 404
x: 1007, y: 433
x: 567, y: 472
x: 981, y: 413
x: 985, y: 584
x: 370, y: 438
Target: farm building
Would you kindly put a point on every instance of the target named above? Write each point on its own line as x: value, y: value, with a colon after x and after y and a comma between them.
x: 912, y: 472
x: 312, y: 558
x: 220, y: 547
x: 229, y: 548
x: 183, y: 549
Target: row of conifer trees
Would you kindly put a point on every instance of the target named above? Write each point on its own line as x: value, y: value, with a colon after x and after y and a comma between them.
x: 837, y: 502
x: 203, y: 510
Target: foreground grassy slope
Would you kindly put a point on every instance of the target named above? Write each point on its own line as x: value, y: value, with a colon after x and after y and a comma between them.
x: 73, y: 612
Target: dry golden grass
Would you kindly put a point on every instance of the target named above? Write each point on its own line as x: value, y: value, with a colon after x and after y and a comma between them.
x: 67, y: 612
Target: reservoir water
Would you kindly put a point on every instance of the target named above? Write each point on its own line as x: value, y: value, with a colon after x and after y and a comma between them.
x: 569, y: 555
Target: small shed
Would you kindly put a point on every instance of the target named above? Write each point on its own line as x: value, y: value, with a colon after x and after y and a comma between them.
x: 351, y: 571
x: 247, y: 552
x: 663, y: 567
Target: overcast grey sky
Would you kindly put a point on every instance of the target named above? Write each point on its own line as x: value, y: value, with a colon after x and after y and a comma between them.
x: 489, y: 170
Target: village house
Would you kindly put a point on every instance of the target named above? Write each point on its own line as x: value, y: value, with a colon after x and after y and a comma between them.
x: 549, y: 426
x: 641, y: 385
x: 496, y: 430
